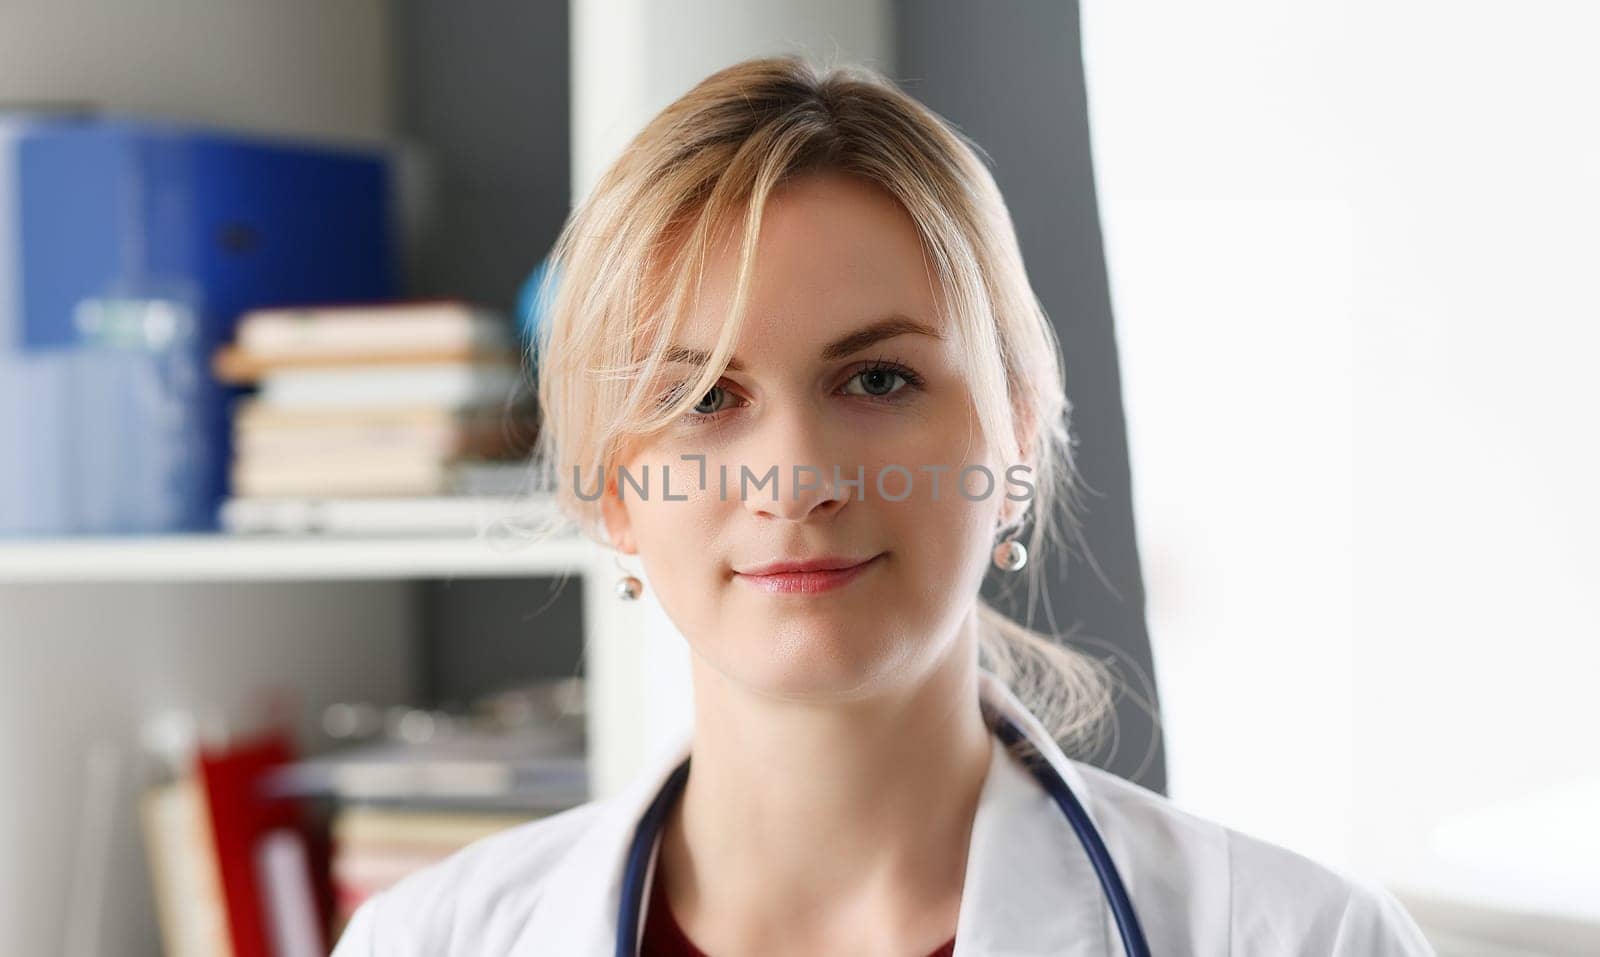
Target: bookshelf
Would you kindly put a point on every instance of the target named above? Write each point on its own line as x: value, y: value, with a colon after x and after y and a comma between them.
x: 624, y: 642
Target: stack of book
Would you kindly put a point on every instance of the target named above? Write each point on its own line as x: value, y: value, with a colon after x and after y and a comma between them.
x: 376, y: 847
x: 399, y: 805
x: 367, y: 418
x: 235, y: 873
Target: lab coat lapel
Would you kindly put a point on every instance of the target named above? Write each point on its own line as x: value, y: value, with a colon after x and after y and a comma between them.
x: 1029, y: 887
x: 577, y: 913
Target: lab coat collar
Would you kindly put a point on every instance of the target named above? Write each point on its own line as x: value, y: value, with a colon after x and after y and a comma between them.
x: 1029, y: 887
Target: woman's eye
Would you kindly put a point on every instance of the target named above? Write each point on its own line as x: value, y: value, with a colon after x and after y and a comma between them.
x: 876, y: 382
x: 711, y: 402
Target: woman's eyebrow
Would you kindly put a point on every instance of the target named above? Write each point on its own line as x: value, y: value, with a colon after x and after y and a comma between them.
x: 849, y: 344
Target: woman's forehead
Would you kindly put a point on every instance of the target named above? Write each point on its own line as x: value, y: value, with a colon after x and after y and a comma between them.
x: 834, y: 254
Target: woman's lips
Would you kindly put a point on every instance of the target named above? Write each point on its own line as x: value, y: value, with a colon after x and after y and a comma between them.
x: 808, y: 583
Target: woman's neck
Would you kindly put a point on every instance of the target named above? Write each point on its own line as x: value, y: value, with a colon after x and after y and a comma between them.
x: 833, y: 828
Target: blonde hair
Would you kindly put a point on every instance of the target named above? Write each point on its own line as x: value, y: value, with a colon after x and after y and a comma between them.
x: 630, y: 255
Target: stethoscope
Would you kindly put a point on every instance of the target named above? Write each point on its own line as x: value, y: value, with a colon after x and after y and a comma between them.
x: 644, y: 841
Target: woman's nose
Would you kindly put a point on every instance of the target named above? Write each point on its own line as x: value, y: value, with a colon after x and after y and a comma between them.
x: 801, y: 477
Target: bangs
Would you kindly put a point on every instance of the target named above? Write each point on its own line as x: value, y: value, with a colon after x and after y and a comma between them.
x: 669, y: 290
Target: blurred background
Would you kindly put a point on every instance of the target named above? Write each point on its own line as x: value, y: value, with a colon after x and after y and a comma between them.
x: 270, y: 640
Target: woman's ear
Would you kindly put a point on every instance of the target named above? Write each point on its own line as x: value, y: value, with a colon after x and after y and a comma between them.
x: 1012, y: 512
x: 1026, y: 432
x: 619, y: 526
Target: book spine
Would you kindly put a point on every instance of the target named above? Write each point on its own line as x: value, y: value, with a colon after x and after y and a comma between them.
x: 452, y: 386
x: 312, y: 331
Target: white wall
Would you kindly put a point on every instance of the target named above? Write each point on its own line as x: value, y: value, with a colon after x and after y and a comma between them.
x: 289, y: 66
x: 1351, y: 251
x: 1478, y: 608
x: 630, y: 58
x: 1228, y: 243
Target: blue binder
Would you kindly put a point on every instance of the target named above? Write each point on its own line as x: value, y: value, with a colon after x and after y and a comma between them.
x: 105, y: 214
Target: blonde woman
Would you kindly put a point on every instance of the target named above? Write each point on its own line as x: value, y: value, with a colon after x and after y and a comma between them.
x: 794, y: 366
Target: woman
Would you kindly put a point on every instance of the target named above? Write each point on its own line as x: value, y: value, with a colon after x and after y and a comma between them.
x: 795, y: 366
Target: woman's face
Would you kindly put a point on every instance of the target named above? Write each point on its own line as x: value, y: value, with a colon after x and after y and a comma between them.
x: 830, y: 370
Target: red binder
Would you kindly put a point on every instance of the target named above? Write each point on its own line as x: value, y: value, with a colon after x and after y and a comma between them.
x: 240, y: 818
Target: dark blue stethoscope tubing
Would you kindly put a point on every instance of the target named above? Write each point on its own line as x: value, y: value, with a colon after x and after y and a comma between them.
x: 631, y: 904
x: 633, y: 874
x: 1128, y: 928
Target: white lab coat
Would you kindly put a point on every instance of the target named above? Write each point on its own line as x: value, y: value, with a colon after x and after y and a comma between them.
x: 551, y: 887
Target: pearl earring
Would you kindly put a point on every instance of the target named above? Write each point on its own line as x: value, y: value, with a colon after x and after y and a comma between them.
x: 629, y: 587
x: 1010, y: 555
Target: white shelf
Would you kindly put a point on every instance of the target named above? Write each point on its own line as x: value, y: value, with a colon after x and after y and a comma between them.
x: 617, y: 642
x: 193, y: 558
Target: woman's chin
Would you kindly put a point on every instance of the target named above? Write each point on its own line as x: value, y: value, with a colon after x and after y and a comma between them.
x: 820, y: 664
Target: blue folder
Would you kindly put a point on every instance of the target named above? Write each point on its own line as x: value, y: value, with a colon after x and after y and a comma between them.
x: 98, y: 215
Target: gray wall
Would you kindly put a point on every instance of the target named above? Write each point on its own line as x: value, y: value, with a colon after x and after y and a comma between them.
x: 483, y: 101
x: 295, y: 67
x: 1010, y: 75
x: 480, y: 636
x: 483, y: 93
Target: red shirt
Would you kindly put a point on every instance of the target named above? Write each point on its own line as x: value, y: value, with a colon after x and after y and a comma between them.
x: 664, y: 938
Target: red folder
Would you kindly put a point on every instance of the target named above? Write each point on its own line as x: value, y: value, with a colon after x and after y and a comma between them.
x: 240, y: 817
